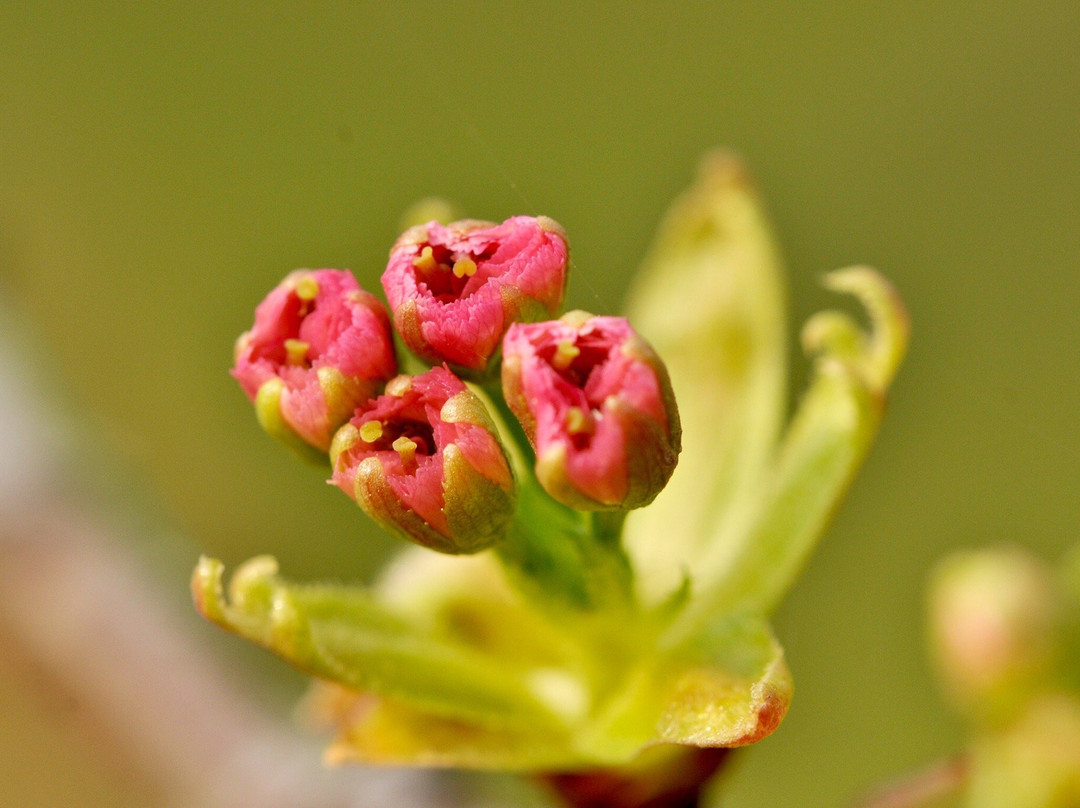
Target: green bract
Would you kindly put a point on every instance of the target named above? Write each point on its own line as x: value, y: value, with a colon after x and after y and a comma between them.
x: 582, y: 639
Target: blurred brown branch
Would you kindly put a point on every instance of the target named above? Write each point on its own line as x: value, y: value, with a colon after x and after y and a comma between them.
x: 926, y: 788
x: 80, y: 616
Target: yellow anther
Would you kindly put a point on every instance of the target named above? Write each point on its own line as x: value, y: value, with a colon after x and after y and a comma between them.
x: 371, y: 431
x: 425, y: 262
x: 296, y: 351
x: 405, y: 448
x: 576, y: 319
x: 464, y: 267
x: 399, y: 386
x: 307, y: 288
x: 565, y: 353
x: 577, y: 422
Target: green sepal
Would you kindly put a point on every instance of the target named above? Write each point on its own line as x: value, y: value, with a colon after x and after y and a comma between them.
x: 373, y: 493
x: 268, y: 414
x: 478, y: 510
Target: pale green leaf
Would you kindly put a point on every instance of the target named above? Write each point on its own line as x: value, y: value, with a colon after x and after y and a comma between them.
x: 344, y: 635
x: 732, y: 689
x: 824, y: 446
x: 728, y: 686
x: 470, y: 600
x: 710, y: 300
x: 372, y: 729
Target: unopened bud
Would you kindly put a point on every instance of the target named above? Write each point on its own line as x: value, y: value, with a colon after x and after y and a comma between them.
x: 424, y: 461
x: 320, y: 346
x: 596, y: 403
x: 994, y: 618
x: 455, y: 289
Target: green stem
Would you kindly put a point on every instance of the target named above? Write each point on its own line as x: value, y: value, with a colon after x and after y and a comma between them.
x: 566, y: 554
x: 572, y: 556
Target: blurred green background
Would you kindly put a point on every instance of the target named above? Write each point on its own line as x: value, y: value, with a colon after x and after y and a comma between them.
x: 162, y: 165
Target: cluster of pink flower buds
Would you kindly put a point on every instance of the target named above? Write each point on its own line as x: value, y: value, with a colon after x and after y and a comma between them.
x: 421, y: 454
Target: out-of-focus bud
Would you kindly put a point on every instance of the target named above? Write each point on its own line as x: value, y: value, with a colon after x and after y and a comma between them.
x: 455, y: 289
x: 995, y: 617
x: 320, y: 347
x: 596, y: 403
x: 423, y: 460
x: 1034, y: 762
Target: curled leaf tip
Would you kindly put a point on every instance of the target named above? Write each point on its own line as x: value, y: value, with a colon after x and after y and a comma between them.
x: 834, y: 336
x: 772, y: 703
x: 254, y: 569
x: 716, y: 704
x: 206, y: 589
x: 253, y: 597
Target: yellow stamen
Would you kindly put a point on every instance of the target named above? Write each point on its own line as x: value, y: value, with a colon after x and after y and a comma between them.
x: 371, y: 431
x: 406, y: 449
x: 296, y: 351
x: 565, y: 353
x: 399, y: 386
x: 464, y: 267
x: 425, y: 262
x: 307, y: 288
x: 577, y: 422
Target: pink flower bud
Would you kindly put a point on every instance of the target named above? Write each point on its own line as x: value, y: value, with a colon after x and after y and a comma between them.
x: 455, y: 289
x: 320, y: 347
x: 424, y: 461
x: 995, y: 618
x: 596, y: 402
